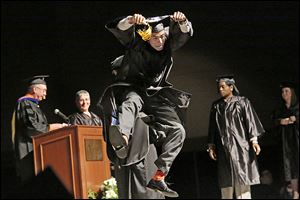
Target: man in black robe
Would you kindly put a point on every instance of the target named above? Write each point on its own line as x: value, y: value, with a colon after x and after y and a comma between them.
x: 234, y: 128
x: 29, y: 120
x: 286, y: 119
x: 143, y: 71
x: 84, y: 116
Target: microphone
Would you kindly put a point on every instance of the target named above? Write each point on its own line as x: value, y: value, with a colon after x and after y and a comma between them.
x: 64, y: 117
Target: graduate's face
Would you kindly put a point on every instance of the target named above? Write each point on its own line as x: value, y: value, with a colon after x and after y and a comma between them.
x: 83, y: 102
x: 225, y: 90
x: 40, y: 91
x: 157, y: 40
x: 286, y: 94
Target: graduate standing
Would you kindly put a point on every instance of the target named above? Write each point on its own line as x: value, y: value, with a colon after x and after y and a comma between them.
x: 234, y: 128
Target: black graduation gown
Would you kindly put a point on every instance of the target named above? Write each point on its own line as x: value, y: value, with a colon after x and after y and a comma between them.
x: 290, y: 141
x: 231, y: 127
x: 80, y: 118
x: 28, y: 120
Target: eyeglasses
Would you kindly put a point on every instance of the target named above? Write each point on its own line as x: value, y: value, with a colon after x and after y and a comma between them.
x: 43, y: 89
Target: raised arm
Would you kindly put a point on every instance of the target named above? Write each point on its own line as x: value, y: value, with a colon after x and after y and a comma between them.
x: 123, y: 27
x: 181, y: 30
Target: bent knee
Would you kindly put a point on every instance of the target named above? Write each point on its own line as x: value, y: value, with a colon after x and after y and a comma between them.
x: 180, y: 130
x: 134, y: 103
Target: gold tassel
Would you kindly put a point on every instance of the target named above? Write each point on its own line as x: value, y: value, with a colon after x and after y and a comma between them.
x: 145, y: 33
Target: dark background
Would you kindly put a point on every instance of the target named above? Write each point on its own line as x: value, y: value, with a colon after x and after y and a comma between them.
x: 257, y: 41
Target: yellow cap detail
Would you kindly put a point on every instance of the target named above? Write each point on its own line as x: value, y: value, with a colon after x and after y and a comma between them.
x: 145, y: 33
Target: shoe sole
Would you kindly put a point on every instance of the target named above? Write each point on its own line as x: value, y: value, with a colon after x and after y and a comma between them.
x: 118, y: 142
x: 163, y: 193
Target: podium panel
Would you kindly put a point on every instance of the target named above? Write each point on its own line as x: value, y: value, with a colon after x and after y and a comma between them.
x: 76, y: 154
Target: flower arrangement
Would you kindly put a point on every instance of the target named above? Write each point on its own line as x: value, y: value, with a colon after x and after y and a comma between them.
x: 108, y: 190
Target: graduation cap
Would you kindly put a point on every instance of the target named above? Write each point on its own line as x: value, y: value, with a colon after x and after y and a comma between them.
x: 158, y: 23
x: 288, y: 84
x: 154, y: 25
x: 39, y: 79
x: 226, y: 77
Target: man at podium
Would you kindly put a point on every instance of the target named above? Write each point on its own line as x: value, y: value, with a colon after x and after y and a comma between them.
x: 29, y: 120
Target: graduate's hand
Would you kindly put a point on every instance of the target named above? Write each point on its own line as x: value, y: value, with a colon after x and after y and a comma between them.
x: 256, y: 148
x: 284, y: 121
x: 137, y: 19
x: 292, y: 119
x: 212, y: 152
x: 178, y: 17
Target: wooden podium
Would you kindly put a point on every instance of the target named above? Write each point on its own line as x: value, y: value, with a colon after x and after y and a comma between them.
x: 76, y: 154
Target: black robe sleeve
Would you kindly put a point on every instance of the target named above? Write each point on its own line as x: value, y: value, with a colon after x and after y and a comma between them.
x: 31, y: 118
